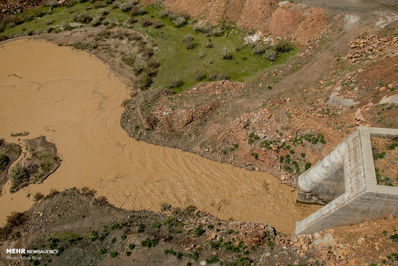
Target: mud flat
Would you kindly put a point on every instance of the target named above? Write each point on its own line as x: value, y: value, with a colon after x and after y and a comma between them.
x: 74, y: 99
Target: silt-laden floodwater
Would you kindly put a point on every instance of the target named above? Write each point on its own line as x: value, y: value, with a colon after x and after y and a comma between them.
x: 74, y: 99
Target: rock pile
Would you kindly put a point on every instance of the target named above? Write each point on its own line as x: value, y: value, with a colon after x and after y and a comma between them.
x: 367, y: 46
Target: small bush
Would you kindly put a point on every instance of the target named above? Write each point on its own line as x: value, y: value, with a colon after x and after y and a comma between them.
x: 150, y: 243
x: 212, y: 260
x: 217, y: 31
x: 137, y: 11
x: 164, y: 13
x: 176, y: 83
x: 226, y: 55
x: 199, y: 76
x: 165, y: 207
x: 179, y: 21
x: 190, y: 45
x: 19, y: 175
x: 270, y: 54
x: 38, y: 196
x: 83, y: 18
x: 187, y: 38
x: 141, y: 228
x: 258, y: 49
x: 146, y: 22
x: 209, y: 45
x: 132, y: 21
x: 199, y: 231
x: 114, y: 254
x: 202, y: 27
x: 307, y: 165
x: 4, y: 161
x: 143, y: 81
x: 102, y: 251
x: 283, y: 46
x: 16, y: 219
x: 255, y: 155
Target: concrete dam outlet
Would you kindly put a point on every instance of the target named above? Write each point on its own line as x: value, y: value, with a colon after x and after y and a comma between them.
x: 74, y: 99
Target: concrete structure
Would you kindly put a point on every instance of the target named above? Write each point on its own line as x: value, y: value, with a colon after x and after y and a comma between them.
x: 346, y: 179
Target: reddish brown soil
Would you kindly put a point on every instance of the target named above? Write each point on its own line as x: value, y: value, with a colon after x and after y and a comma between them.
x: 385, y: 158
x: 290, y: 21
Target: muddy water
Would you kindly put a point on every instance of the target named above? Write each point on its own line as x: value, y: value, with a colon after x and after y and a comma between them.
x: 75, y: 100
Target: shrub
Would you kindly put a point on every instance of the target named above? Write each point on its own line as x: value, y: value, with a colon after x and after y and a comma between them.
x: 199, y: 76
x: 131, y: 246
x: 164, y: 13
x: 132, y: 21
x: 137, y: 10
x: 258, y: 49
x: 83, y: 18
x: 226, y: 55
x: 143, y: 81
x: 212, y: 260
x: 283, y: 46
x: 222, y: 76
x: 307, y: 165
x: 150, y: 243
x: 213, y: 76
x: 202, y: 27
x: 19, y: 175
x: 179, y: 21
x: 16, y: 219
x: 38, y: 196
x: 175, y: 83
x: 187, y: 38
x: 141, y: 228
x: 146, y: 22
x: 270, y: 54
x: 217, y: 31
x: 199, y: 231
x: 165, y: 207
x: 190, y: 45
x: 102, y: 251
x: 4, y: 161
x: 114, y: 254
x: 209, y: 44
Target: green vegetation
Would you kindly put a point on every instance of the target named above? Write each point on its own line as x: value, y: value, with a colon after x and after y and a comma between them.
x: 212, y: 260
x: 114, y: 254
x: 383, y: 180
x: 141, y: 228
x: 199, y: 231
x: 393, y: 145
x: 150, y: 243
x: 378, y: 155
x: 394, y: 238
x: 184, y: 48
x: 4, y: 161
x: 19, y: 177
x: 38, y: 196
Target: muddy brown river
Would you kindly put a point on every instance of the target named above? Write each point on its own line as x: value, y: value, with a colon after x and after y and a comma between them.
x: 74, y: 99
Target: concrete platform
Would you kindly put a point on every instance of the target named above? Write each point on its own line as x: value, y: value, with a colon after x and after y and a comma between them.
x: 346, y: 179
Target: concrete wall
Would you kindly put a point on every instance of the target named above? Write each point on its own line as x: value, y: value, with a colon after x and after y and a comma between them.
x: 362, y: 199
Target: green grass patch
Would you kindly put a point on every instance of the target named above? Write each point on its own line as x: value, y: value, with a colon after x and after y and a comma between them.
x: 210, y: 54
